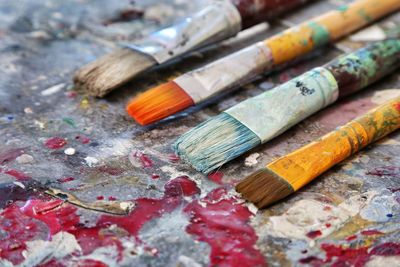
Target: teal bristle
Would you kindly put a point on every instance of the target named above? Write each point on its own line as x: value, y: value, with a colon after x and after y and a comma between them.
x: 215, y: 142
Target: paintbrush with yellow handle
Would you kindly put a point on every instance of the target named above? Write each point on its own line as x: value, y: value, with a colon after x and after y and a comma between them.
x: 239, y: 68
x: 291, y: 172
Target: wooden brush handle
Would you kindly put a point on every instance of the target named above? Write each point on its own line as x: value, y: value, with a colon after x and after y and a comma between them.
x: 303, y: 165
x: 365, y: 66
x: 255, y: 11
x: 331, y: 26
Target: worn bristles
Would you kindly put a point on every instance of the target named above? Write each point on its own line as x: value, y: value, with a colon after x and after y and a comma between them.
x: 112, y: 70
x: 159, y: 103
x: 215, y: 142
x: 263, y: 188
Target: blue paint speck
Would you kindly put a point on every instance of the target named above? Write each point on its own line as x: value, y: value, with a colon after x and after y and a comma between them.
x: 389, y: 215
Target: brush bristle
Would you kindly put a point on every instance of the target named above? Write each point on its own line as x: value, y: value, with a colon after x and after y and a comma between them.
x: 159, y: 103
x: 111, y: 71
x: 264, y: 188
x: 215, y: 142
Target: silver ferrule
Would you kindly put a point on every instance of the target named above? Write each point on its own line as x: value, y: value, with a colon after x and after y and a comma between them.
x: 214, y: 23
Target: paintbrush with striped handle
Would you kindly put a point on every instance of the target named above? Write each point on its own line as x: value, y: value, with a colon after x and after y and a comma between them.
x: 291, y: 172
x: 238, y: 68
x: 218, y: 21
x: 263, y: 117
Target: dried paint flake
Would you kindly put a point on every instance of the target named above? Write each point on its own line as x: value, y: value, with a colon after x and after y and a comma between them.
x: 52, y: 90
x: 69, y: 151
x: 251, y: 160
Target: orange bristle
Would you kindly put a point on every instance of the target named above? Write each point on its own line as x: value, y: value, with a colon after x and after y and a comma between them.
x: 159, y: 103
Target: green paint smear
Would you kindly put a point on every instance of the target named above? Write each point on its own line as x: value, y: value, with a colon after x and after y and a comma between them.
x: 320, y: 35
x: 371, y: 62
x: 70, y: 122
x: 343, y: 8
x: 364, y: 15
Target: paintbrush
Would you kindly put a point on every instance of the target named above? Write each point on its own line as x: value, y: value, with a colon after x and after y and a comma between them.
x: 218, y: 21
x: 291, y: 172
x: 261, y: 118
x: 241, y: 67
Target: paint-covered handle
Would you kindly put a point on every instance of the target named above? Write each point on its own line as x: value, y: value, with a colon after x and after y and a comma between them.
x: 254, y: 11
x: 303, y: 165
x: 331, y: 26
x: 365, y: 66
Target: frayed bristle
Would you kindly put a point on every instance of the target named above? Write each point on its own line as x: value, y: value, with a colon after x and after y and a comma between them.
x: 159, y: 103
x: 264, y: 188
x: 215, y: 142
x: 111, y: 71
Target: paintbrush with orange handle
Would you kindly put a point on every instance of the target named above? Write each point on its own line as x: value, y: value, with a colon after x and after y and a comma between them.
x: 238, y: 68
x: 218, y: 21
x: 289, y: 173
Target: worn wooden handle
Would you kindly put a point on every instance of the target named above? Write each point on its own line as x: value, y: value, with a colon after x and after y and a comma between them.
x: 303, y: 165
x: 331, y: 26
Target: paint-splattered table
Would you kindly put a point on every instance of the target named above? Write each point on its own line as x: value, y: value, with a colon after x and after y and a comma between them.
x: 96, y: 163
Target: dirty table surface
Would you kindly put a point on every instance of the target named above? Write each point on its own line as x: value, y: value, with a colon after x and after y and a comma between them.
x: 97, y: 162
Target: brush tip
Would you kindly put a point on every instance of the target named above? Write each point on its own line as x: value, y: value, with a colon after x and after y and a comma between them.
x: 158, y: 103
x: 264, y: 188
x: 215, y: 142
x: 111, y: 71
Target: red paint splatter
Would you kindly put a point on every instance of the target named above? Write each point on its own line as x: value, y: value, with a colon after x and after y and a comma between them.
x: 90, y: 263
x: 385, y: 171
x: 147, y: 209
x: 314, y: 234
x: 83, y: 139
x: 20, y: 176
x: 312, y: 260
x: 55, y: 142
x: 328, y: 225
x: 18, y: 229
x: 224, y: 225
x: 65, y: 179
x: 111, y: 198
x: 397, y: 106
x: 10, y: 155
x: 71, y: 94
x: 352, y: 237
x: 155, y: 176
x: 386, y: 249
x: 100, y: 197
x: 110, y: 170
x: 181, y: 185
x: 144, y: 159
x: 216, y: 177
x: 173, y: 158
x: 371, y: 232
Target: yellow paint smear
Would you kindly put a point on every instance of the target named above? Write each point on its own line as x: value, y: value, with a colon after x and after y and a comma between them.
x: 303, y: 165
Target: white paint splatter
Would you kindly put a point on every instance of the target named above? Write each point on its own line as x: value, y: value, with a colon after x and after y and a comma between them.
x: 24, y: 159
x: 69, y: 151
x: 173, y: 173
x: 378, y: 208
x: 251, y: 160
x: 308, y: 215
x: 91, y: 161
x: 28, y: 110
x: 19, y: 184
x: 52, y: 90
x: 38, y: 251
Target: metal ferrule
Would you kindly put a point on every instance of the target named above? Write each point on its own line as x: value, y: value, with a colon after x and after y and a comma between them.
x: 226, y: 72
x: 214, y: 23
